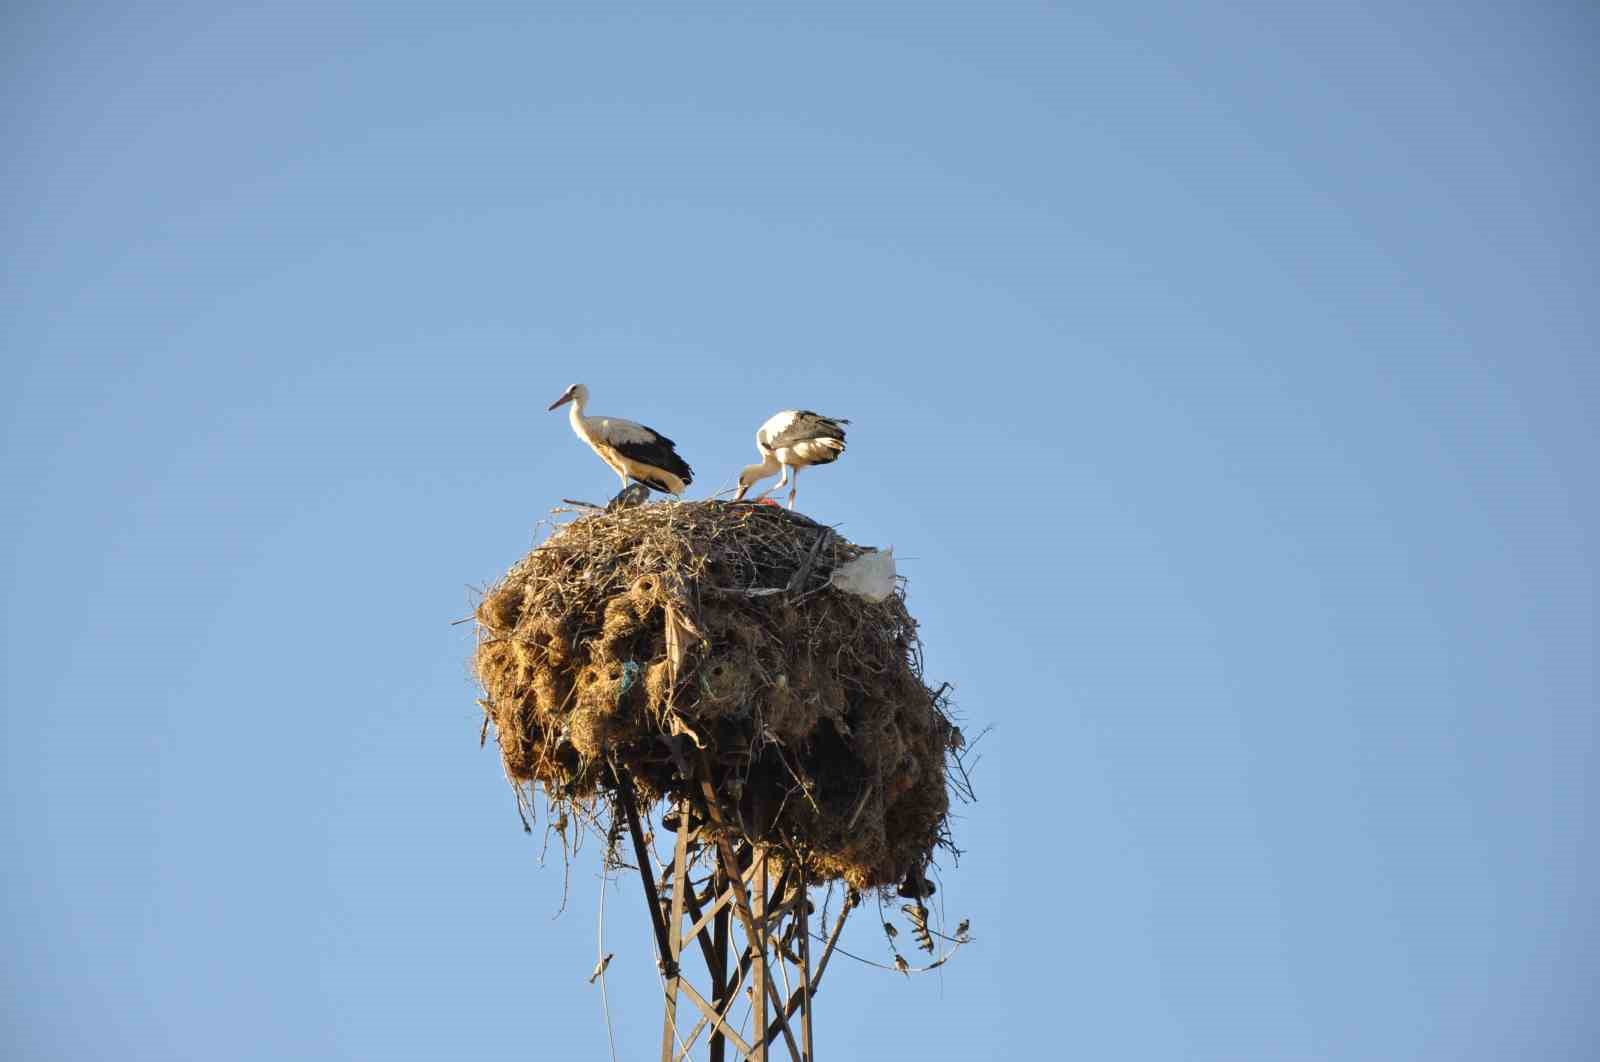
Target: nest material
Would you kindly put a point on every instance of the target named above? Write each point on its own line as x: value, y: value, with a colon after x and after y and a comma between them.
x: 683, y: 641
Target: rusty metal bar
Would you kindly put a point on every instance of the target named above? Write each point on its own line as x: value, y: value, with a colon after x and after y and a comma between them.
x: 805, y: 966
x: 680, y: 885
x: 815, y: 981
x: 773, y: 995
x: 759, y: 943
x: 724, y: 898
x: 730, y: 993
x: 720, y: 932
x: 757, y: 939
x: 720, y: 1023
x: 698, y: 929
x: 669, y: 965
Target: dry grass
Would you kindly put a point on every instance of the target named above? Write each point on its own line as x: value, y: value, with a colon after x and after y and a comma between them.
x: 682, y: 640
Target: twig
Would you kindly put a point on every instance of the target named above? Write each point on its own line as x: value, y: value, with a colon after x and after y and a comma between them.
x: 798, y: 580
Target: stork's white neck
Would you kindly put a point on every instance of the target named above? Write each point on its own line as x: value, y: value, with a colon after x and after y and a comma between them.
x: 769, y: 464
x: 575, y: 415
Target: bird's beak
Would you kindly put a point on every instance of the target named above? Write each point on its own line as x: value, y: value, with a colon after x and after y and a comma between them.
x: 563, y: 400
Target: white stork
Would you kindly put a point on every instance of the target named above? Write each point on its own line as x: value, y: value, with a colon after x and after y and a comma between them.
x: 632, y: 450
x: 792, y: 440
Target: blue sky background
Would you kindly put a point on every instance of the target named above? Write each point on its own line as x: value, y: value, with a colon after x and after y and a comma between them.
x: 1223, y: 375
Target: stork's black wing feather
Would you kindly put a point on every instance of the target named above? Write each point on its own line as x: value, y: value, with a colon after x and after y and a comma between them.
x: 807, y: 425
x: 657, y: 453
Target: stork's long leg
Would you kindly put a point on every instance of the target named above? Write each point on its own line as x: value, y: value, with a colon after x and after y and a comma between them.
x: 794, y: 488
x: 776, y: 486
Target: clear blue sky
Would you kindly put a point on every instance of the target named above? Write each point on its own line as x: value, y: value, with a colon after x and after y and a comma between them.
x: 1223, y: 375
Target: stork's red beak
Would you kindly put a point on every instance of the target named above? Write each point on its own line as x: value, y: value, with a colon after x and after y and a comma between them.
x: 563, y: 400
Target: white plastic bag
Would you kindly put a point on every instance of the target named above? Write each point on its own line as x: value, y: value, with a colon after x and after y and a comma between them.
x: 870, y: 575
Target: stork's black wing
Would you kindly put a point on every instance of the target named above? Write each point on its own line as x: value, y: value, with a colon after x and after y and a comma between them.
x: 656, y: 452
x: 801, y: 425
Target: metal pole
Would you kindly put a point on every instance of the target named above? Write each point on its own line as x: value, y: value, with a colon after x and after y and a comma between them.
x: 669, y: 964
x: 759, y: 943
x: 805, y: 965
x: 680, y: 884
x: 719, y: 970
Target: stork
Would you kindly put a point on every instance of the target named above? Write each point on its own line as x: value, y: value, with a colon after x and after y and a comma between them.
x: 633, y: 451
x: 792, y: 440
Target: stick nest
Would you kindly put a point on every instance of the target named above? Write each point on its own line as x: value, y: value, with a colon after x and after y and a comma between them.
x: 687, y: 641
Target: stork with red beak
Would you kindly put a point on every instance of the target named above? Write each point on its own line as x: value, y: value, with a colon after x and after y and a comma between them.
x: 633, y: 451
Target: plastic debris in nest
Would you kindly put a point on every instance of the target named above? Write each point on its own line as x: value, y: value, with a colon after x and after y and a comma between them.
x: 870, y: 575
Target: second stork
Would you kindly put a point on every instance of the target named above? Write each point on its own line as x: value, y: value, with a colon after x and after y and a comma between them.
x: 792, y: 440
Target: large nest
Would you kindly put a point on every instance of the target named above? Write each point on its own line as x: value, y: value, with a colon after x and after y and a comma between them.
x: 687, y: 641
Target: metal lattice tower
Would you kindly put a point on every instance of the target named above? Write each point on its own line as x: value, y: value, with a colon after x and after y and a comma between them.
x: 738, y: 896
